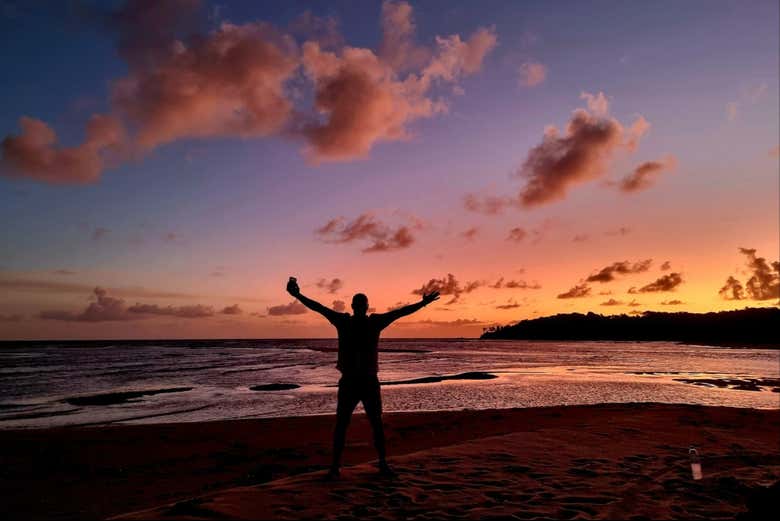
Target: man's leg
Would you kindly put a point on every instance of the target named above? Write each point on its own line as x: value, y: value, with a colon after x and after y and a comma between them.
x: 348, y: 399
x: 372, y: 403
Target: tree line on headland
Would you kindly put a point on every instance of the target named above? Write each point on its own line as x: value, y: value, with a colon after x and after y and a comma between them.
x: 748, y: 327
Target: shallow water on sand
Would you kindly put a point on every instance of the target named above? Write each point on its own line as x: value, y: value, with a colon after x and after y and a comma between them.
x: 49, y: 384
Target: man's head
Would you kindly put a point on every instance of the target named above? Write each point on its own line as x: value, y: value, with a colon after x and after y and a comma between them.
x: 360, y: 304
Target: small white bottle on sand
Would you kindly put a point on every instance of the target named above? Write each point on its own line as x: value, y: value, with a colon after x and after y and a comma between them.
x: 695, y: 463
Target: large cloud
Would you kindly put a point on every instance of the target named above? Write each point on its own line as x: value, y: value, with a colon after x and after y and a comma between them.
x: 607, y: 274
x: 28, y: 285
x: 243, y: 80
x: 763, y: 284
x: 361, y: 99
x: 34, y: 153
x: 228, y: 83
x: 106, y: 308
x: 581, y: 153
x: 367, y: 228
x: 448, y: 285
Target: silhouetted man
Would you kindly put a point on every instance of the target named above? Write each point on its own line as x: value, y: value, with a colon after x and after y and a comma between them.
x: 358, y: 363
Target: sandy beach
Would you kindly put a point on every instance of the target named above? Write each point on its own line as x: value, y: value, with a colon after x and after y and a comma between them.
x: 584, y: 462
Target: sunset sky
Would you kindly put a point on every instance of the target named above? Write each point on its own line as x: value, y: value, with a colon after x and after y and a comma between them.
x: 166, y: 166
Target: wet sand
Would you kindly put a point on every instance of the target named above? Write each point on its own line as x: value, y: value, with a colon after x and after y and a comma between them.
x: 604, y: 461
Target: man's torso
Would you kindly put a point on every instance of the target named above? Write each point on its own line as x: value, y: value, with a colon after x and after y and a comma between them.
x: 358, y: 345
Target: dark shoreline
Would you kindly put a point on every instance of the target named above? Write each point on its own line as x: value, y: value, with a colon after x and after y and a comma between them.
x: 745, y: 328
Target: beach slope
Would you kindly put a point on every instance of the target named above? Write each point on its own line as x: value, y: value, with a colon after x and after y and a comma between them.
x: 618, y: 461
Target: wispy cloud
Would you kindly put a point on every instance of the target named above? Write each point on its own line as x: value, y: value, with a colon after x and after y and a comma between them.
x: 449, y: 286
x: 668, y: 282
x: 531, y: 74
x: 367, y: 228
x: 293, y: 308
x: 578, y: 291
x: 608, y: 273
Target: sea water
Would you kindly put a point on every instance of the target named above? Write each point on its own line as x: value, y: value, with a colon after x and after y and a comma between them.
x: 45, y: 384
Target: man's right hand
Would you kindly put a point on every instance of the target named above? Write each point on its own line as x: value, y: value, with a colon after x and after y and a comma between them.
x: 292, y: 287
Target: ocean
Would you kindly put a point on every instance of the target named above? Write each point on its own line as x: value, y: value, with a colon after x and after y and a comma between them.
x: 47, y: 384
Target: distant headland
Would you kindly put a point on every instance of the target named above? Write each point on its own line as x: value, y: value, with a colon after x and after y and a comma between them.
x: 750, y: 327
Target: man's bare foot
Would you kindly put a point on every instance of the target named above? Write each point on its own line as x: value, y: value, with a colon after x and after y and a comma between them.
x: 386, y: 471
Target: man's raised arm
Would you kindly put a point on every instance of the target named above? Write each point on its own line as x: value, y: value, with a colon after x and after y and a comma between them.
x: 295, y: 291
x: 391, y: 316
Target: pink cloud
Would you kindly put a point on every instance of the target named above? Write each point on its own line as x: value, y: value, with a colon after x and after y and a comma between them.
x: 488, y: 205
x: 361, y: 100
x: 646, y: 174
x: 104, y: 308
x: 26, y: 285
x: 667, y: 282
x: 366, y: 227
x: 398, y: 48
x: 332, y: 286
x: 470, y: 233
x: 448, y: 285
x: 232, y: 310
x: 516, y: 234
x: 193, y: 311
x: 234, y: 81
x: 607, y: 274
x: 578, y: 291
x: 34, y: 153
x: 582, y: 153
x: 229, y: 83
x: 293, y: 308
x: 514, y: 284
x: 532, y: 74
x: 764, y: 281
x: 618, y: 231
